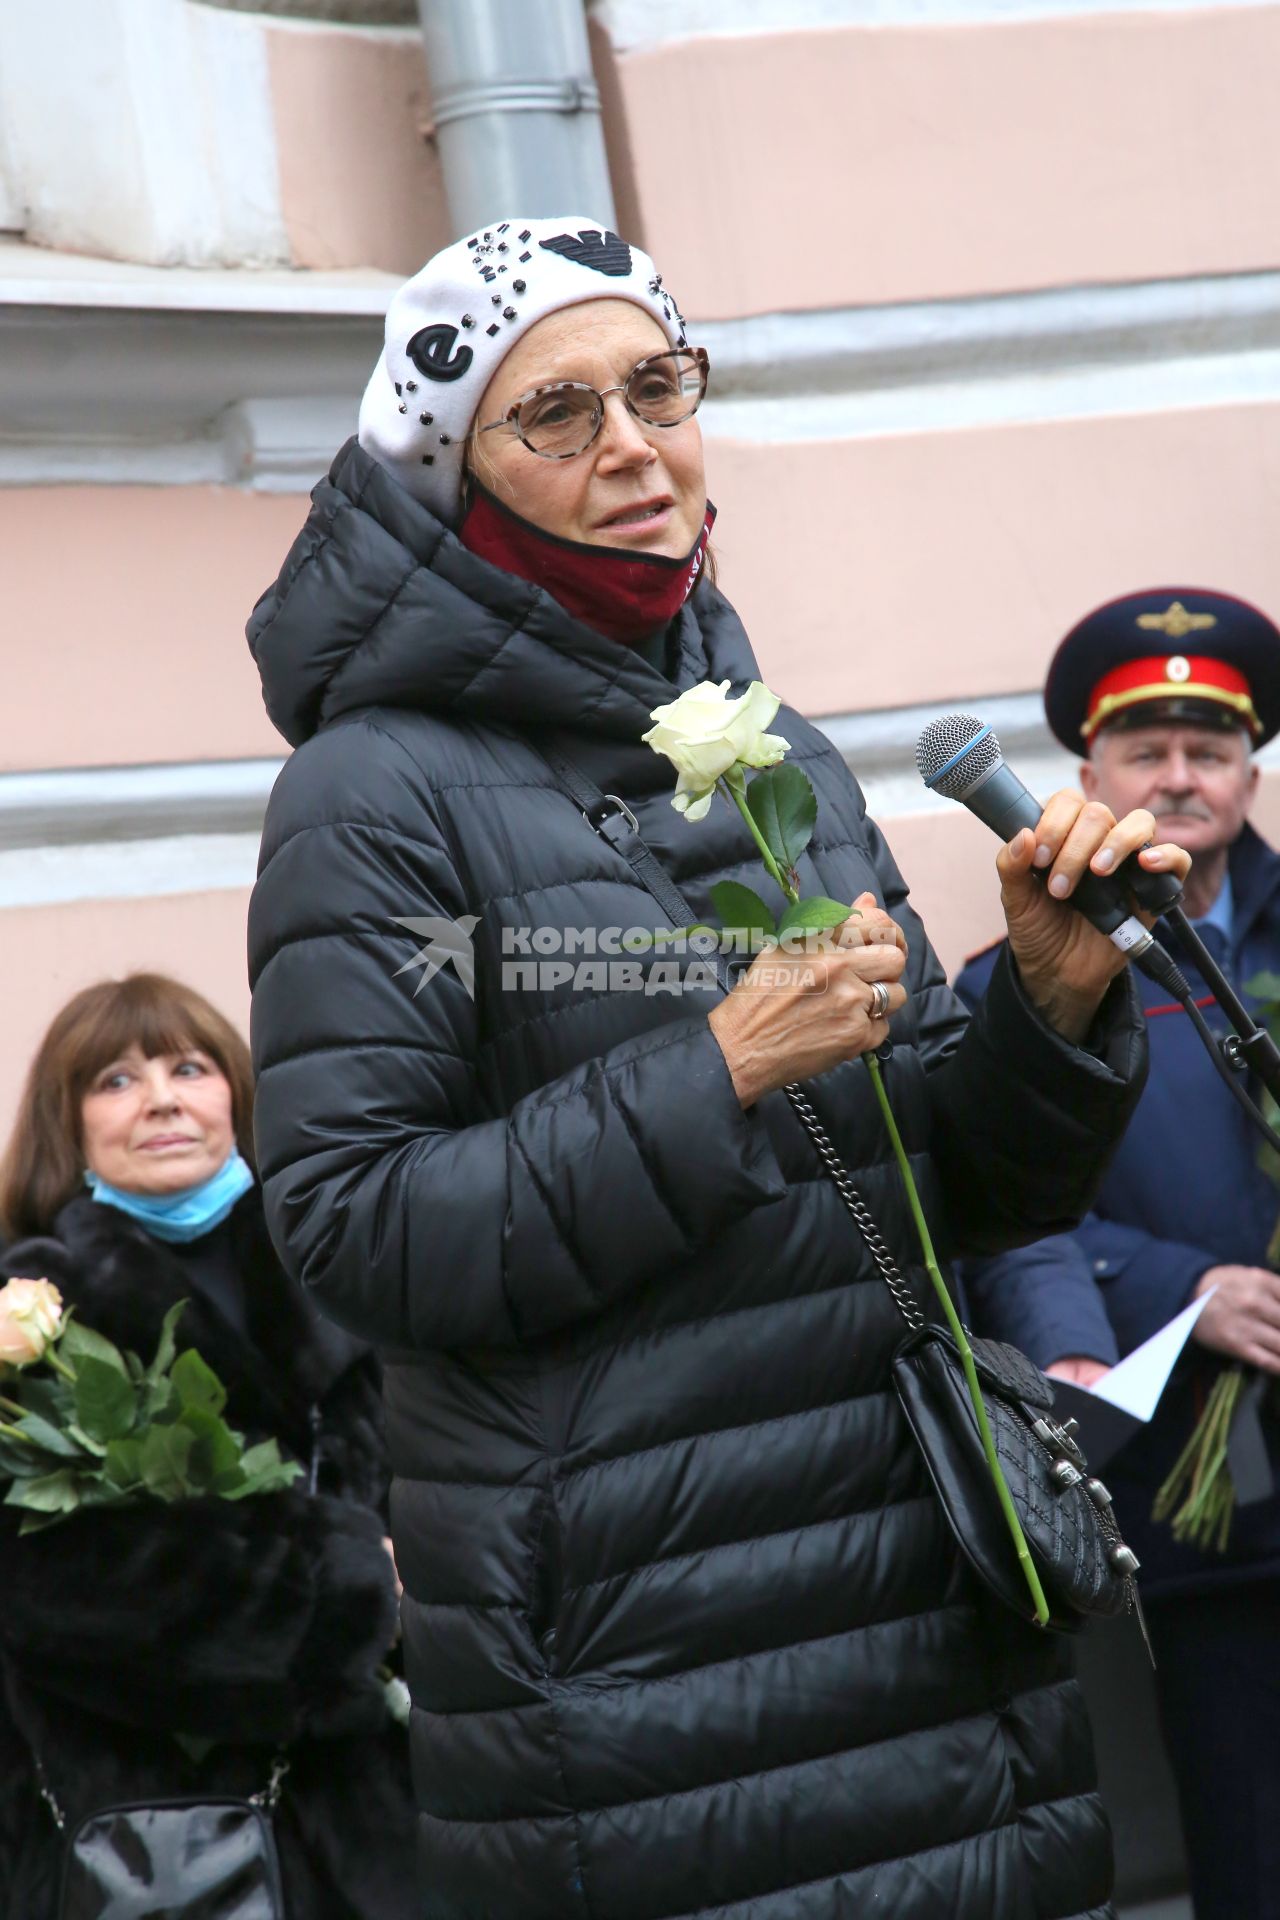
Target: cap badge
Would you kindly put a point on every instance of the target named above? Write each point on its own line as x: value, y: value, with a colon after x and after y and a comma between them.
x: 1178, y: 668
x: 1176, y: 621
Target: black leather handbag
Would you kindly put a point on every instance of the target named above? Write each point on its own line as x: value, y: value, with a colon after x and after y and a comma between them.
x: 1066, y: 1515
x: 189, y: 1859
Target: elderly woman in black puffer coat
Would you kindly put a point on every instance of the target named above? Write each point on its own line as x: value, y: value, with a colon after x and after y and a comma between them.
x: 155, y: 1652
x: 685, y: 1630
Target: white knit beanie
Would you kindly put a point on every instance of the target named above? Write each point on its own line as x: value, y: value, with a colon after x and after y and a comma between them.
x: 450, y: 327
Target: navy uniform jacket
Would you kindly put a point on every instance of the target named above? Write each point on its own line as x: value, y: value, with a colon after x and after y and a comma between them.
x: 1185, y: 1192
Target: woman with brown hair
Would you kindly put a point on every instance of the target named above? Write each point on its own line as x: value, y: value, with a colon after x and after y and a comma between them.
x: 155, y: 1651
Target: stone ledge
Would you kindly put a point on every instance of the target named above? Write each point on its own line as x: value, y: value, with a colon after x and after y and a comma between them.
x: 34, y: 276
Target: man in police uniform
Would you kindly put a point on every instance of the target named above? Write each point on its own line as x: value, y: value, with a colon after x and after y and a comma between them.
x: 1166, y: 694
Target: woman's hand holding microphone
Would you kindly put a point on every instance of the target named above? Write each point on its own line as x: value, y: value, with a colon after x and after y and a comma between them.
x: 1064, y: 963
x: 797, y: 1014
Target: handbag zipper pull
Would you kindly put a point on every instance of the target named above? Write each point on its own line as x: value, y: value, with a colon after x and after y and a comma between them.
x: 1136, y: 1600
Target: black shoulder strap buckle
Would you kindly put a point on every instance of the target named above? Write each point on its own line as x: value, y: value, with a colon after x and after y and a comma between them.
x: 609, y: 813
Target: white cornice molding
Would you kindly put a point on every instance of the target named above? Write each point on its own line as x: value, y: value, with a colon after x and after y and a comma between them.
x: 82, y: 804
x: 1003, y: 336
x: 186, y: 378
x: 178, y: 396
x: 636, y: 25
x: 111, y: 833
x: 127, y: 870
x: 32, y: 276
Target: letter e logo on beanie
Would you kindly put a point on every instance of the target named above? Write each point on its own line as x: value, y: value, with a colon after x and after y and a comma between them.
x: 432, y: 353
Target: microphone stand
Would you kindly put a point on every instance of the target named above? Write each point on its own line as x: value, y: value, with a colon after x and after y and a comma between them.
x: 1249, y: 1048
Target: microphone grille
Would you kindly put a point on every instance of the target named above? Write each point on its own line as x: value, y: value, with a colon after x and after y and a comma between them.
x: 958, y: 737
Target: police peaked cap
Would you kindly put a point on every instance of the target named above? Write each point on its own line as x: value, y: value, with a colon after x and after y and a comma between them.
x: 1166, y: 654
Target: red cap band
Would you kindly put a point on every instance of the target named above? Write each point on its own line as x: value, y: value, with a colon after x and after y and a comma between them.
x: 1170, y: 676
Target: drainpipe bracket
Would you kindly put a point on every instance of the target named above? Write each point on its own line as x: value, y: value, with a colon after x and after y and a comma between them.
x: 576, y: 94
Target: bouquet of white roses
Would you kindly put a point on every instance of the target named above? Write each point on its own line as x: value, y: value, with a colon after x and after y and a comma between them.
x: 84, y: 1425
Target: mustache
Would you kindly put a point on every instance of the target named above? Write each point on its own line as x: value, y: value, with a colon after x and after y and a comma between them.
x: 1186, y: 809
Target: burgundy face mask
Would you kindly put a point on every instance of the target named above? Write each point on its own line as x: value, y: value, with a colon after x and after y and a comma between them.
x: 624, y: 595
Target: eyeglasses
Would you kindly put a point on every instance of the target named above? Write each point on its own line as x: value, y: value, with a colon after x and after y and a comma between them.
x: 561, y: 420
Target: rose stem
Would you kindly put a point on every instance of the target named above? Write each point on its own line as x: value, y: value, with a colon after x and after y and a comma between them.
x: 966, y: 1352
x: 734, y: 787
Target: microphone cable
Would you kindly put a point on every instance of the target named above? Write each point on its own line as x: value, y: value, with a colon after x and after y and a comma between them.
x: 1230, y: 1075
x: 1248, y: 1034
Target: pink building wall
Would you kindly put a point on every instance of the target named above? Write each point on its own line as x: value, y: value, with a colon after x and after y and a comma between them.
x: 815, y: 168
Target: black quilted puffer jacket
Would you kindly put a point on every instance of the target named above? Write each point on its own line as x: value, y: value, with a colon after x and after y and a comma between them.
x: 685, y: 1630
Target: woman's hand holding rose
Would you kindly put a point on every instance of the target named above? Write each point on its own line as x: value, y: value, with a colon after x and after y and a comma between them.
x: 797, y: 1014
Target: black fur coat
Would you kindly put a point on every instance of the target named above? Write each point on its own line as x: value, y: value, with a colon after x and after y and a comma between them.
x: 252, y: 1625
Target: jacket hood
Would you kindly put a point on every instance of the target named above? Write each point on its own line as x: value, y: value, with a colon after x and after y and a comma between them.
x: 379, y: 604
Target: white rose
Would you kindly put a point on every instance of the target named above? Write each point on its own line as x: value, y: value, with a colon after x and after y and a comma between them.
x: 398, y: 1698
x: 30, y: 1317
x: 704, y: 734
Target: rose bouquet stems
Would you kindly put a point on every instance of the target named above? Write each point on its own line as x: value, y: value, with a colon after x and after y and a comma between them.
x: 1198, y: 1497
x: 714, y: 742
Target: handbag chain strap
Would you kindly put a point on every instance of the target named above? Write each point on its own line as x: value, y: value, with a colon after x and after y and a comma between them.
x: 905, y: 1301
x: 615, y: 823
x: 49, y: 1797
x: 266, y: 1799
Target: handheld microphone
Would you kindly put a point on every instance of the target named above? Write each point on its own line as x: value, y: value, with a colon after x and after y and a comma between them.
x: 959, y: 756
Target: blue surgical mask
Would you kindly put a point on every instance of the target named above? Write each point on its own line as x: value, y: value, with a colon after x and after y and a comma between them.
x: 184, y: 1215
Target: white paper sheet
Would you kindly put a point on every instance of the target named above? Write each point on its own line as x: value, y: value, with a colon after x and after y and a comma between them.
x: 1135, y: 1385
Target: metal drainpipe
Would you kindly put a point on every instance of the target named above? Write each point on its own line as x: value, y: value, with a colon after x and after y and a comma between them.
x: 516, y: 110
